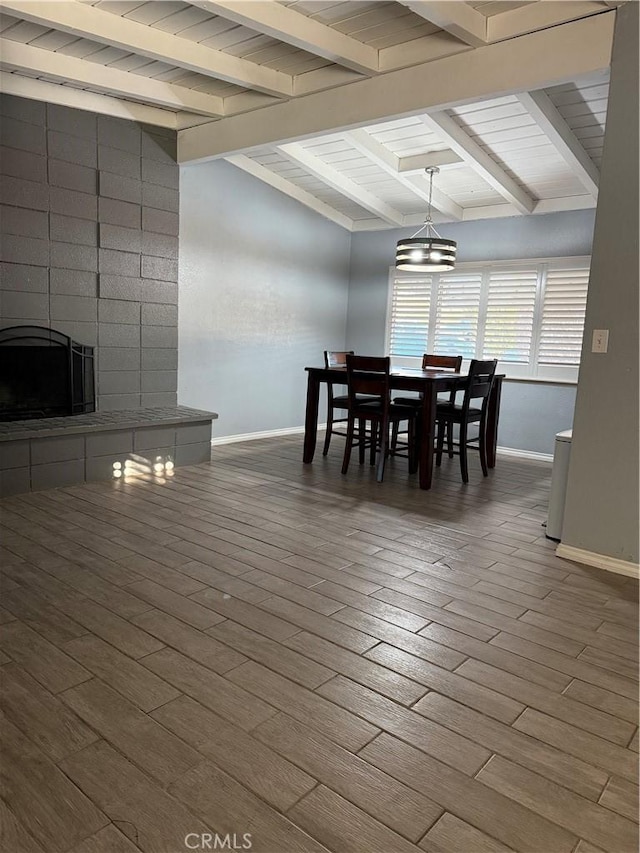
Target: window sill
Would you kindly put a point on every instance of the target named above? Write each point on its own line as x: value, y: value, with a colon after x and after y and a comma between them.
x: 540, y: 380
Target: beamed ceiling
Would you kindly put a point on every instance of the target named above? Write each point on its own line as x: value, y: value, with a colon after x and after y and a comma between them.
x: 342, y: 105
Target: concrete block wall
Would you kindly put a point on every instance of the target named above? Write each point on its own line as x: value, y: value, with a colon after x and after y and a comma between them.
x: 89, y: 242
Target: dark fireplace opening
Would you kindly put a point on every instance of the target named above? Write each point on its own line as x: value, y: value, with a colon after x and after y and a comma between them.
x: 44, y: 374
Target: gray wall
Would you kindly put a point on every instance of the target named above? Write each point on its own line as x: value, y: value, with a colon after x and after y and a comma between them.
x: 531, y: 413
x: 601, y: 513
x: 263, y: 291
x: 89, y: 242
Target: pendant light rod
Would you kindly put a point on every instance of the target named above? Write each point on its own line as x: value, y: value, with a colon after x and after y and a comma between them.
x: 428, y: 222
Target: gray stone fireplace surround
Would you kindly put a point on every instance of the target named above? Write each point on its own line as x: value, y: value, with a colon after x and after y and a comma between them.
x: 89, y: 242
x: 89, y: 247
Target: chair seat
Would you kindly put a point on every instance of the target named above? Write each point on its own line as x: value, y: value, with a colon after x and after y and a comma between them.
x: 342, y: 402
x: 415, y: 402
x: 408, y: 401
x: 396, y: 412
x: 454, y: 412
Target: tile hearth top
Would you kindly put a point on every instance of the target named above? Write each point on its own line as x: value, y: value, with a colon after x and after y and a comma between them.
x: 101, y: 421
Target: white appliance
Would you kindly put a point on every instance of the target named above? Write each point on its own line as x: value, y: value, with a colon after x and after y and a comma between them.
x: 559, y: 475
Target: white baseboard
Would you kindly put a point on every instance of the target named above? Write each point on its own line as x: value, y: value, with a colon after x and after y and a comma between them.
x: 600, y: 561
x: 274, y: 433
x: 253, y: 436
x: 524, y: 454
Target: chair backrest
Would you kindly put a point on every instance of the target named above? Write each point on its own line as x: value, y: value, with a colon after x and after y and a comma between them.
x: 449, y: 362
x: 479, y: 382
x: 336, y: 359
x: 368, y: 375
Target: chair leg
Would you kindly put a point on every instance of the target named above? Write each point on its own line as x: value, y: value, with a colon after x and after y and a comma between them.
x: 362, y: 428
x: 384, y: 443
x: 450, y: 439
x: 348, y: 445
x: 464, y: 468
x: 394, y: 436
x: 483, y: 449
x: 327, y: 438
x: 374, y: 443
x: 413, y: 445
x: 442, y: 426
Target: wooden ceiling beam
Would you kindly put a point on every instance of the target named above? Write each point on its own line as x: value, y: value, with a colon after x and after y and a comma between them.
x: 389, y: 163
x: 241, y: 161
x: 331, y: 176
x: 79, y: 99
x: 46, y: 63
x: 424, y: 49
x: 287, y: 25
x: 416, y: 163
x: 459, y: 19
x: 491, y: 211
x: 550, y: 121
x: 476, y: 157
x: 85, y: 21
x: 569, y: 51
x: 538, y: 16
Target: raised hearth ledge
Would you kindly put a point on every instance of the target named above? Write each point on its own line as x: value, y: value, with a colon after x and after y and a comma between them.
x: 102, y: 421
x: 57, y: 452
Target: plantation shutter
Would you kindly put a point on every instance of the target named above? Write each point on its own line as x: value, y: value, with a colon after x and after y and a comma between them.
x: 410, y: 307
x: 563, y: 310
x: 458, y: 307
x: 510, y: 314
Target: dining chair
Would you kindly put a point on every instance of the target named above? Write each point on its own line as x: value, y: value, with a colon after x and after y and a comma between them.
x: 368, y: 390
x: 334, y: 401
x: 444, y: 362
x: 477, y: 387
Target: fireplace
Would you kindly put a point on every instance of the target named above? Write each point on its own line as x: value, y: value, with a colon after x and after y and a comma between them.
x: 44, y: 374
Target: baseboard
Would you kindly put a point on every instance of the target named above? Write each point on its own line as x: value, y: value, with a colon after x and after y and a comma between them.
x: 599, y: 561
x: 525, y: 454
x: 253, y: 436
x: 274, y: 433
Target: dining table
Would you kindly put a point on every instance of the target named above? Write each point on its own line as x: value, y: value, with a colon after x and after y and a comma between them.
x: 429, y: 383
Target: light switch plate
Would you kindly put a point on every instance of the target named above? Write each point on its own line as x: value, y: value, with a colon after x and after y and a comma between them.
x: 600, y: 340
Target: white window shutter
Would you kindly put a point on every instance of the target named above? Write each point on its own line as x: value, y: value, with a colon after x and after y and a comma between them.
x: 410, y: 307
x: 457, y: 311
x: 510, y: 314
x: 563, y: 310
x: 527, y: 313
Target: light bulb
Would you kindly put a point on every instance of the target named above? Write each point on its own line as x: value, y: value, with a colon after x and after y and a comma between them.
x: 415, y: 255
x: 435, y: 255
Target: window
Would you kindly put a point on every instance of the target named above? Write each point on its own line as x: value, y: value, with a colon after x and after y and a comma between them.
x: 527, y: 314
x: 457, y: 310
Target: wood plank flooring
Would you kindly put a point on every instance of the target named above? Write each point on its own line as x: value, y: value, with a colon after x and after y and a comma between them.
x: 326, y: 663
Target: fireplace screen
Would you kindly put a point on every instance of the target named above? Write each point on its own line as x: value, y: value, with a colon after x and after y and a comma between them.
x: 44, y: 374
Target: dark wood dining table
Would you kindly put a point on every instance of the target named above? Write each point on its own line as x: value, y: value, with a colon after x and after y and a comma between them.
x: 429, y: 383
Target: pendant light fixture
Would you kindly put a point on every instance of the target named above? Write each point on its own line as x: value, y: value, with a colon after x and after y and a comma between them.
x: 429, y: 253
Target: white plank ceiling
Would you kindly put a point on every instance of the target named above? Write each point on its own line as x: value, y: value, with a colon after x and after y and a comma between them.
x: 201, y: 65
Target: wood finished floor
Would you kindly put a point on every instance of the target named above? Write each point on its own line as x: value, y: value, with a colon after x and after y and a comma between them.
x: 254, y: 646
